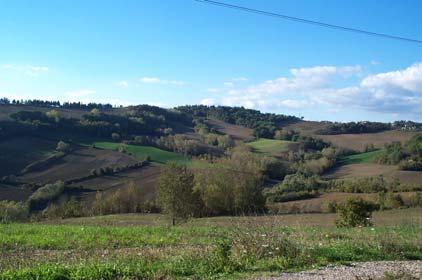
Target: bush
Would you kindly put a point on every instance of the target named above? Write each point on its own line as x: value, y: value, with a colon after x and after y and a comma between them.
x: 416, y: 200
x: 329, y: 207
x: 390, y: 201
x: 42, y: 196
x: 69, y: 209
x: 115, y: 136
x: 354, y: 212
x: 63, y: 147
x: 11, y: 211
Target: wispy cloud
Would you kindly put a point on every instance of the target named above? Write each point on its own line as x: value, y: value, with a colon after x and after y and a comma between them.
x: 122, y: 84
x: 30, y: 70
x: 155, y: 80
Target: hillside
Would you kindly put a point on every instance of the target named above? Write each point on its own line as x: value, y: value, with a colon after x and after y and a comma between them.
x: 108, y: 149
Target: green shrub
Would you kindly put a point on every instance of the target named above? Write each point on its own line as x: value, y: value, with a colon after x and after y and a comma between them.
x: 69, y: 209
x: 42, y: 196
x: 11, y: 211
x: 63, y: 147
x: 329, y: 207
x: 390, y: 201
x: 416, y: 199
x: 354, y: 212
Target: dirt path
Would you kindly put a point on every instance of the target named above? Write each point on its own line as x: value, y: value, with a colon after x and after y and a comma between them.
x: 360, y: 271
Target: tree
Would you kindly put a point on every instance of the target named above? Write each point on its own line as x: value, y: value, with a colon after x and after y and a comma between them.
x: 354, y: 212
x: 63, y: 147
x: 115, y: 136
x: 54, y: 114
x: 175, y: 192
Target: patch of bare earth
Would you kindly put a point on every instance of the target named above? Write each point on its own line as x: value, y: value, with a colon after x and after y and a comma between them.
x: 358, y: 142
x: 236, y: 131
x: 78, y: 164
x: 144, y: 178
x: 360, y: 170
x: 359, y: 271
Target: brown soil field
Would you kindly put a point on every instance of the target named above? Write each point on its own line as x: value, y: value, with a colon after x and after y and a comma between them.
x: 315, y: 205
x: 236, y: 131
x: 144, y: 178
x: 361, y: 170
x: 306, y: 127
x: 78, y: 164
x: 13, y: 193
x: 358, y: 142
x: 18, y: 152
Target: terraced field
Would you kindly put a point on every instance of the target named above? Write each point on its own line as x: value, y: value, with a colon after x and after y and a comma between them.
x: 78, y: 164
x: 142, y: 152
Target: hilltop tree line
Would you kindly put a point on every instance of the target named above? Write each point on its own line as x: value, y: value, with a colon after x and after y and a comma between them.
x: 55, y: 104
x: 263, y: 124
x: 367, y: 127
x: 141, y: 120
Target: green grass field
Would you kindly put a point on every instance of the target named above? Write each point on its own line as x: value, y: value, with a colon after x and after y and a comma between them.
x: 142, y: 152
x: 244, y: 247
x: 269, y: 147
x: 367, y: 157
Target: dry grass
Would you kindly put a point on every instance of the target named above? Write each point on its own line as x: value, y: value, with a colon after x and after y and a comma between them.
x: 382, y: 218
x: 315, y: 205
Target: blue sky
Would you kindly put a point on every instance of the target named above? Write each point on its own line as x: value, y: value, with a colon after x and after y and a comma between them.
x: 178, y: 52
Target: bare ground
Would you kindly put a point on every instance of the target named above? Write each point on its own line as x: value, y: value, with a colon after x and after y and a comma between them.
x: 359, y: 271
x: 236, y: 131
x: 78, y: 164
x: 361, y: 170
x: 144, y: 178
x: 358, y: 142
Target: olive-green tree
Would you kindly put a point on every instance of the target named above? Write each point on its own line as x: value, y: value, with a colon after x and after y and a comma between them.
x: 175, y: 192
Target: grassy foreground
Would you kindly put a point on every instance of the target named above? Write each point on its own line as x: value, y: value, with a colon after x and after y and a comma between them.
x: 250, y: 247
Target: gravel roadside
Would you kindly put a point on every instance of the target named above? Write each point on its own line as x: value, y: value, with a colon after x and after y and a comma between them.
x: 358, y: 271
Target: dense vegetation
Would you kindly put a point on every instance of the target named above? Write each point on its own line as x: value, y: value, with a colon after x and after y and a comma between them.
x: 264, y: 124
x: 408, y: 156
x: 355, y: 127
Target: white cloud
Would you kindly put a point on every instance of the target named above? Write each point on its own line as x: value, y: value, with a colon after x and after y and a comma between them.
x: 397, y: 92
x: 229, y: 84
x: 122, y: 84
x: 30, y: 70
x: 214, y: 90
x: 208, y: 101
x: 240, y: 79
x: 150, y: 80
x: 155, y: 80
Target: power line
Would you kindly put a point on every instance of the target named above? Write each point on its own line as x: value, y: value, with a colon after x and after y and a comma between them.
x: 307, y: 21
